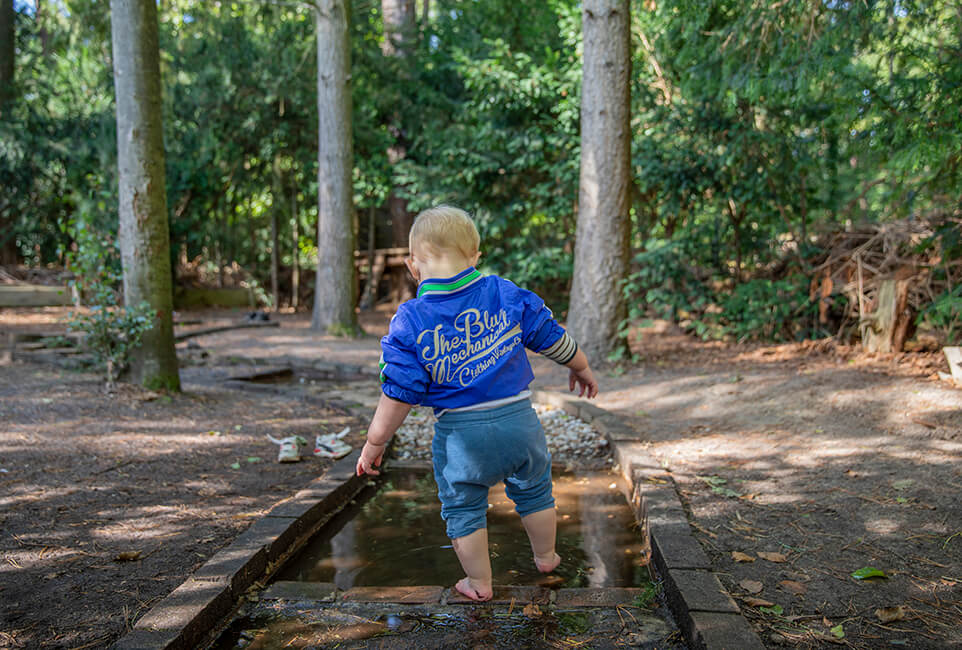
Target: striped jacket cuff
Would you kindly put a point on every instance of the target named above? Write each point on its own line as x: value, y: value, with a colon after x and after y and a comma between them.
x: 563, y: 350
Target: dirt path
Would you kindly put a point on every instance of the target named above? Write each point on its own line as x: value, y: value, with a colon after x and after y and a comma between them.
x: 830, y: 460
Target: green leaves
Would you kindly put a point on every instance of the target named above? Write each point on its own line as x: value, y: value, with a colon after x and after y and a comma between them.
x: 867, y: 573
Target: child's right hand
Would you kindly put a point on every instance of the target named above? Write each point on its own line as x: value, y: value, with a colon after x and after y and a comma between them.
x: 370, y: 458
x: 585, y: 381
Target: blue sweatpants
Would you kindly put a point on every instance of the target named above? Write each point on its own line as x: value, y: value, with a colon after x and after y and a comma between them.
x: 474, y: 450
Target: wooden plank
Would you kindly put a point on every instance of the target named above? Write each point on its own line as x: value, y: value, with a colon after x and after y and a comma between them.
x: 953, y: 355
x: 33, y: 295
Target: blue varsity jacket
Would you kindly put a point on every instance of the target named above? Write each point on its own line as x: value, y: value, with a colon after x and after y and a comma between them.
x: 462, y: 342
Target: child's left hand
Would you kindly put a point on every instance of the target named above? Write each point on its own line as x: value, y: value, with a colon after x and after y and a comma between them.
x: 370, y: 458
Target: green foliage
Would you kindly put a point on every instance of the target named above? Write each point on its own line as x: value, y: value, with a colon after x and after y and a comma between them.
x: 944, y: 314
x: 755, y: 126
x: 109, y: 330
x: 648, y: 598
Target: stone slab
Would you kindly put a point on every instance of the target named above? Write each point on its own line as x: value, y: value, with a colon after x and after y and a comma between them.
x: 674, y: 547
x: 292, y: 590
x: 189, y: 613
x: 714, y: 631
x: 273, y: 534
x: 411, y: 595
x: 698, y: 591
x: 503, y: 596
x: 596, y: 597
x: 240, y: 564
x: 146, y: 640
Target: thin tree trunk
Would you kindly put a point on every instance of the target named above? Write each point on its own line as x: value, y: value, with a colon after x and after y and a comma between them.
x: 277, y: 193
x: 7, y: 52
x: 335, y: 286
x: 601, y: 248
x: 400, y: 34
x: 8, y: 238
x: 296, y: 236
x: 144, y: 236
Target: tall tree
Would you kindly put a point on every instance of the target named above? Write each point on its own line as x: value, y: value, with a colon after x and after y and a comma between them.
x: 334, y: 292
x: 144, y: 237
x: 8, y: 249
x: 400, y: 34
x: 602, y: 238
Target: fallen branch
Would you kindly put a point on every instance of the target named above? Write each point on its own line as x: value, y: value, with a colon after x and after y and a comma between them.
x: 183, y: 336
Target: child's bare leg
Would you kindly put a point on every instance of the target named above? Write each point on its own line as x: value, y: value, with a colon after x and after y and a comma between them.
x: 472, y: 552
x: 541, y: 527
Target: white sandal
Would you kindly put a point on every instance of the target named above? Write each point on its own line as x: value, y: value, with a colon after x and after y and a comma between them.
x: 290, y: 451
x: 331, y: 445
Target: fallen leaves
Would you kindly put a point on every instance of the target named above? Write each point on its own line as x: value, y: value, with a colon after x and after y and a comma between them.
x: 738, y: 556
x: 890, y: 614
x: 531, y: 610
x: 752, y: 586
x: 758, y: 602
x: 867, y: 573
x: 127, y: 556
x: 773, y: 557
x: 794, y: 587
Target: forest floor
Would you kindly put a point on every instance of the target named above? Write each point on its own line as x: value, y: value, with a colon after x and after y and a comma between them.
x: 799, y: 464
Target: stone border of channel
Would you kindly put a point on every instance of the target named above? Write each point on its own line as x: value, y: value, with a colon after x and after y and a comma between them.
x: 192, y: 615
x: 708, y: 616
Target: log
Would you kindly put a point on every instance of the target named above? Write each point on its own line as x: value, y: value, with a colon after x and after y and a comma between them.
x: 183, y: 336
x: 33, y: 295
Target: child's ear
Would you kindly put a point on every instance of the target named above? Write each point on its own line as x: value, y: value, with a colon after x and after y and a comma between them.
x: 477, y: 256
x: 412, y: 268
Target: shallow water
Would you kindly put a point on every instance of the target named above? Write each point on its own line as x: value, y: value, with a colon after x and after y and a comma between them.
x: 394, y: 536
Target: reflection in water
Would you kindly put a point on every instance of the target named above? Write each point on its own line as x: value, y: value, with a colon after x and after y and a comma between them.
x: 396, y: 538
x: 344, y: 556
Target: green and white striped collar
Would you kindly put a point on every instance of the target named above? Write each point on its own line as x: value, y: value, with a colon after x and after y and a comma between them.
x: 446, y: 286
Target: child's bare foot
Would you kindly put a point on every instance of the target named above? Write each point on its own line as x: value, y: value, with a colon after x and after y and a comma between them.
x: 472, y: 591
x: 547, y: 563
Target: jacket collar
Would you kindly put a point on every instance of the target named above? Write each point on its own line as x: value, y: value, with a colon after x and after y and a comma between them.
x: 446, y: 286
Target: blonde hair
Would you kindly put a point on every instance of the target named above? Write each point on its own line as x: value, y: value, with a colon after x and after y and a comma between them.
x: 445, y: 228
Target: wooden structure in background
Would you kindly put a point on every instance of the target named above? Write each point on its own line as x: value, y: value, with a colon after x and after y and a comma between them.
x: 390, y: 260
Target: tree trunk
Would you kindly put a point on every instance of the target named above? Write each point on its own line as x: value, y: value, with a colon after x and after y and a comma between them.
x: 601, y: 247
x: 400, y: 33
x: 296, y: 252
x: 144, y: 236
x: 7, y: 52
x: 399, y: 27
x: 335, y: 287
x: 8, y: 237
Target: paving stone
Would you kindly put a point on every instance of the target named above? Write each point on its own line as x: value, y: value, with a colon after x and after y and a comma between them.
x: 697, y: 591
x: 596, y: 597
x: 190, y: 611
x: 632, y: 455
x: 344, y: 468
x: 615, y: 428
x: 714, y: 631
x: 146, y: 640
x: 240, y: 564
x: 293, y: 590
x: 674, y: 547
x: 274, y: 534
x: 411, y: 595
x: 503, y: 595
x: 589, y: 412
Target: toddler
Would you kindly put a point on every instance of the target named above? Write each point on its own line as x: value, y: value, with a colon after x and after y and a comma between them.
x: 459, y: 347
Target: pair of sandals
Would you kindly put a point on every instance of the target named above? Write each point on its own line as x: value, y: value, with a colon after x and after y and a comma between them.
x: 330, y: 445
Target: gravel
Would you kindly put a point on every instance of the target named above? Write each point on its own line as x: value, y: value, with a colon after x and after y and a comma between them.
x: 570, y: 440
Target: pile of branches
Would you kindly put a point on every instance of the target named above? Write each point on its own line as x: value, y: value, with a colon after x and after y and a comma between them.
x: 889, y: 273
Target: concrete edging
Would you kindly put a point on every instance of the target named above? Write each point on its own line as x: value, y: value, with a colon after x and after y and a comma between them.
x: 191, y: 615
x: 708, y: 616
